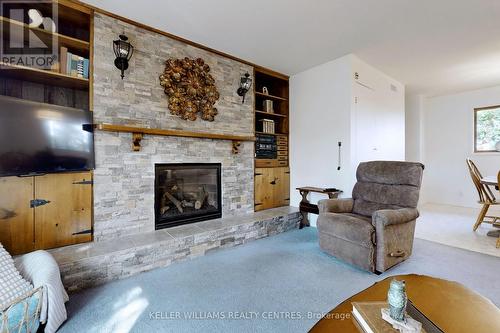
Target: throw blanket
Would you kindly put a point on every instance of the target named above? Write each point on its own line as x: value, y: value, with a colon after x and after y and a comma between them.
x: 41, y: 269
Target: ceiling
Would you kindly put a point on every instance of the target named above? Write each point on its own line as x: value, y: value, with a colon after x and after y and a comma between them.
x: 433, y: 47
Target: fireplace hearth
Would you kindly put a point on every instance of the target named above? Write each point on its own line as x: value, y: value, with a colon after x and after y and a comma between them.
x: 187, y: 193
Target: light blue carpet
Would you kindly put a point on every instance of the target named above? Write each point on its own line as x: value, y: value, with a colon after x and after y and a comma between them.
x: 258, y: 285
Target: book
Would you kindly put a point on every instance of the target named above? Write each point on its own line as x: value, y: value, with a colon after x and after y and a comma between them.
x: 79, y: 67
x: 86, y: 68
x: 75, y: 65
x: 368, y: 318
x: 267, y: 126
x: 68, y: 62
x: 427, y: 324
x: 63, y: 60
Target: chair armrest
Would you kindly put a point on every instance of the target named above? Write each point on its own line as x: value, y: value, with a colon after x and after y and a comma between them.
x: 385, y: 217
x: 343, y: 205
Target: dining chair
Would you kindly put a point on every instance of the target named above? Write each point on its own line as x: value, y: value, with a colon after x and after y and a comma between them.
x: 498, y: 187
x: 486, y: 197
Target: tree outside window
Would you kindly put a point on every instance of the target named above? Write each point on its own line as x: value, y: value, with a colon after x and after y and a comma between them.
x: 486, y: 129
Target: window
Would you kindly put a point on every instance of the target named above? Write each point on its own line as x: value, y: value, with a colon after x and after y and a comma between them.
x: 486, y: 128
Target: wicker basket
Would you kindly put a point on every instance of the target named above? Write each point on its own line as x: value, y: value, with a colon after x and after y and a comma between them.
x: 23, y: 314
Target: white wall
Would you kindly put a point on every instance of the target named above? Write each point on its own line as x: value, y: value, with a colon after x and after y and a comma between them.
x: 378, y: 117
x: 320, y: 105
x: 323, y: 111
x: 448, y: 126
x: 413, y: 125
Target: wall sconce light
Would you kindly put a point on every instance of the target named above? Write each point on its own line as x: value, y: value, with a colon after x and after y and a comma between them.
x: 245, y: 84
x: 123, y: 52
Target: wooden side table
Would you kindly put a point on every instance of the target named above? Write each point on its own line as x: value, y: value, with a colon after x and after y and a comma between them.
x: 306, y: 207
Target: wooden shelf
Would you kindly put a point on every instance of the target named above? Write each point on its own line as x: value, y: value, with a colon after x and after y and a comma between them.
x: 165, y: 132
x: 68, y: 11
x: 270, y: 96
x: 42, y: 76
x: 138, y: 132
x: 75, y: 44
x: 269, y: 163
x: 270, y: 114
x: 284, y: 134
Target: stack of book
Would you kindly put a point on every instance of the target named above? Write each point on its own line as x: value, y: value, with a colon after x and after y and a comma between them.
x: 267, y: 126
x: 367, y: 316
x: 72, y: 64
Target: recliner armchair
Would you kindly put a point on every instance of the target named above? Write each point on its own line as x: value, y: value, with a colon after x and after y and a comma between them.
x: 374, y: 230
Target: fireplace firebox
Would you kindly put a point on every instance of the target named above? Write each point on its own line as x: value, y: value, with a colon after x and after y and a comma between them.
x: 187, y: 193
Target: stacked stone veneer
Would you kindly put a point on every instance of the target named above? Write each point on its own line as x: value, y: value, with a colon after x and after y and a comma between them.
x: 123, y: 179
x: 87, y: 265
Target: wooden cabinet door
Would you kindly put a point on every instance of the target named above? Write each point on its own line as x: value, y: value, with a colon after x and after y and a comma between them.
x: 16, y: 216
x: 282, y: 187
x: 67, y: 218
x: 263, y: 188
x: 272, y: 188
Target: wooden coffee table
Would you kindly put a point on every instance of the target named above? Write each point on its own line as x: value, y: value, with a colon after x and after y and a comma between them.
x: 451, y: 306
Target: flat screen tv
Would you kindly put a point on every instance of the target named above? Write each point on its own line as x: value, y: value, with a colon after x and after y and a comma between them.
x: 38, y: 138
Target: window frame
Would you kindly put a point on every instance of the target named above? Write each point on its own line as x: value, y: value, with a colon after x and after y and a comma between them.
x: 476, y: 110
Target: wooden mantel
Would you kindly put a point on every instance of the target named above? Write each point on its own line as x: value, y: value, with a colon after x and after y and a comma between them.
x: 139, y: 132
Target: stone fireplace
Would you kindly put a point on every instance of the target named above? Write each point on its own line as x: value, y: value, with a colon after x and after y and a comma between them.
x: 129, y: 186
x: 124, y: 180
x: 187, y: 193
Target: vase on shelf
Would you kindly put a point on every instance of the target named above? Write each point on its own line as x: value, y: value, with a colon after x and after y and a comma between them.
x: 267, y: 104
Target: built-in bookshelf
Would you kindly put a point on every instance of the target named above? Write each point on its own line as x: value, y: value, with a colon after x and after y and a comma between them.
x: 271, y: 104
x: 70, y: 211
x: 53, y: 84
x: 272, y: 174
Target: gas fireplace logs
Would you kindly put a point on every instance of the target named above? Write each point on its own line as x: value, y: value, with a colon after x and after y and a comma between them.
x: 183, y: 200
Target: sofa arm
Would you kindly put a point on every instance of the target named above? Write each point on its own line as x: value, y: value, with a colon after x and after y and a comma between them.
x: 343, y: 205
x: 385, y: 217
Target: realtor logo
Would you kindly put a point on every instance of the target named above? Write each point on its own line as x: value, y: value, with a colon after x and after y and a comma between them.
x: 28, y: 29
